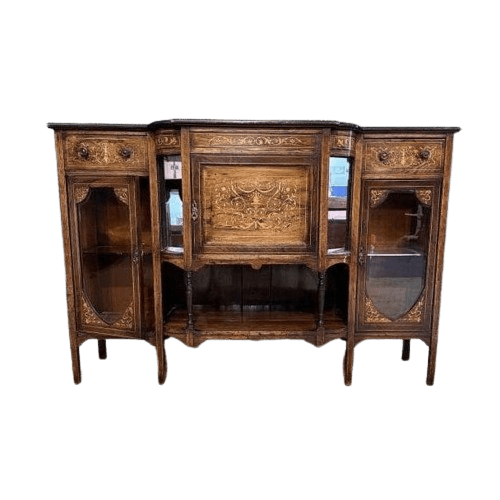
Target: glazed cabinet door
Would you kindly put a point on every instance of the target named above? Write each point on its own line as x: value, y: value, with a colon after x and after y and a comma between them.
x: 105, y: 224
x: 396, y: 255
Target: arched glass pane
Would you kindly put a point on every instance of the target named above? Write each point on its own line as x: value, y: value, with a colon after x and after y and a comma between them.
x: 398, y: 239
x: 105, y: 246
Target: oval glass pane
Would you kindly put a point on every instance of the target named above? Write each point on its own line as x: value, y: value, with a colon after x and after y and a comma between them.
x: 398, y: 239
x: 105, y: 246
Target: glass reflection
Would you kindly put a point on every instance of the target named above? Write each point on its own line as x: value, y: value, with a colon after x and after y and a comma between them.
x: 338, y: 204
x: 173, y: 214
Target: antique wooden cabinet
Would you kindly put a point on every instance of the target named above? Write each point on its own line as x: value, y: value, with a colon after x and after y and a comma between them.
x: 203, y: 229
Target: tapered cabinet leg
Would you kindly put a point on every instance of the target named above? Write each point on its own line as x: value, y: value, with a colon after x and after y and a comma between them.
x: 431, y: 366
x: 75, y: 358
x: 348, y: 361
x: 406, y: 350
x: 162, y: 362
x: 101, y: 345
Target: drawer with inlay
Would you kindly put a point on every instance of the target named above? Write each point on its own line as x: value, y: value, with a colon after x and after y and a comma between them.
x: 117, y: 152
x: 421, y: 158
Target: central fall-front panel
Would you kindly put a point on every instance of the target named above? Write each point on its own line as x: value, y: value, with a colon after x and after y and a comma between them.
x: 247, y: 206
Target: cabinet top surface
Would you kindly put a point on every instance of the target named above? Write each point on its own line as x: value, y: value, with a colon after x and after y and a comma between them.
x: 177, y: 123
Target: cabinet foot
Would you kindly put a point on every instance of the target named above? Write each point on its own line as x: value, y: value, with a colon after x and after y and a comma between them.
x: 101, y: 345
x: 162, y: 374
x: 75, y: 359
x: 348, y: 362
x: 406, y: 350
x: 162, y: 363
x: 431, y: 365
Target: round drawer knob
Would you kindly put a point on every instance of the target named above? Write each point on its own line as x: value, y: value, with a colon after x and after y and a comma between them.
x: 126, y: 153
x: 383, y: 156
x: 425, y: 154
x: 83, y: 152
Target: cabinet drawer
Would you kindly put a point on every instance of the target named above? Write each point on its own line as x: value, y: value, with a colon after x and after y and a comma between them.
x: 91, y: 152
x: 421, y: 158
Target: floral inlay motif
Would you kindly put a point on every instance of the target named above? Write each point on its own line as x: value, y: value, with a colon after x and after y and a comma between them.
x: 256, y: 205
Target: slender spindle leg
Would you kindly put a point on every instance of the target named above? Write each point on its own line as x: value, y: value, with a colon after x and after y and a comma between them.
x: 162, y: 362
x: 321, y: 297
x: 101, y: 345
x: 189, y: 299
x: 406, y: 350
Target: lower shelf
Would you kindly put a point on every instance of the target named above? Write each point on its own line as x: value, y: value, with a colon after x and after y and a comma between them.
x: 252, y: 324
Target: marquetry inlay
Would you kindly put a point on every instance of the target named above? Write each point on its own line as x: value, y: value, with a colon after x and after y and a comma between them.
x: 378, y: 196
x: 256, y: 205
x: 252, y: 141
x: 80, y: 193
x: 417, y: 156
x: 424, y: 196
x: 90, y: 317
x: 86, y: 152
x: 259, y: 140
x: 341, y: 142
x: 414, y: 315
x: 168, y: 142
x: 122, y: 194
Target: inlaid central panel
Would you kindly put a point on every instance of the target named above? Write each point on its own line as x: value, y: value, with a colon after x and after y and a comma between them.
x: 248, y: 204
x: 256, y: 205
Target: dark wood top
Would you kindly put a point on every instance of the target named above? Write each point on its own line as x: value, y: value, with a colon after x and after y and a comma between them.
x: 178, y: 123
x: 97, y: 126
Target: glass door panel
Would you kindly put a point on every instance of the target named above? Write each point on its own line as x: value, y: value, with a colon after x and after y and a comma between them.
x: 172, y: 214
x: 105, y: 238
x: 338, y: 204
x: 397, y: 251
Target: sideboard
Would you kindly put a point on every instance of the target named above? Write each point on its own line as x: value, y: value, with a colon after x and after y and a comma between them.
x: 218, y: 229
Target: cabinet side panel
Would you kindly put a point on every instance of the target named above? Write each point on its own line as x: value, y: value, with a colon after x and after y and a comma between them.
x: 63, y: 199
x: 440, y: 253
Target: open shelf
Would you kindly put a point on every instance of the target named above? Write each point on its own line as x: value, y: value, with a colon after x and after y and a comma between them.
x: 238, y: 302
x: 250, y: 322
x: 252, y: 325
x: 107, y: 250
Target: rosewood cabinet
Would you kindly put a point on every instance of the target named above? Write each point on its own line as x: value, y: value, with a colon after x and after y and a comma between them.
x: 202, y: 229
